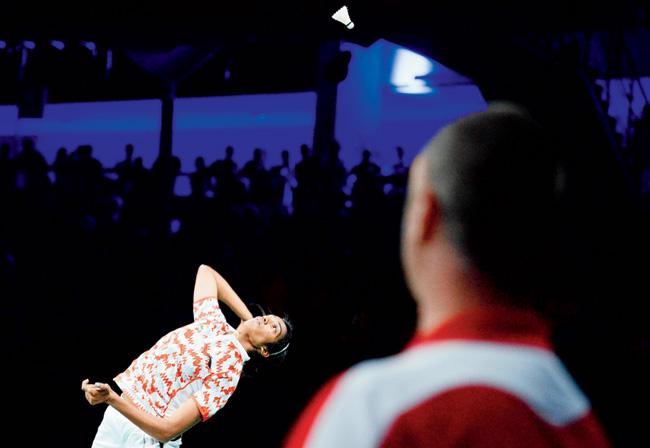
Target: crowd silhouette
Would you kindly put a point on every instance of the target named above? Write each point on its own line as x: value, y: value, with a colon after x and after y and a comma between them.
x: 76, y: 190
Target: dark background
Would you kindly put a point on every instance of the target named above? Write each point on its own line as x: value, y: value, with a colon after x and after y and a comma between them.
x: 83, y: 295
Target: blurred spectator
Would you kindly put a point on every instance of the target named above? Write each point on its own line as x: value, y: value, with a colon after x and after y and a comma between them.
x: 124, y: 170
x: 306, y: 172
x: 228, y: 187
x: 7, y: 171
x: 332, y: 179
x: 281, y: 180
x: 225, y: 168
x: 367, y: 189
x: 31, y: 169
x: 400, y: 171
x: 481, y: 371
x: 200, y: 178
x: 258, y: 177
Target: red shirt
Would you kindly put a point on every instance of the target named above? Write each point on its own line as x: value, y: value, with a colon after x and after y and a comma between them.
x: 485, y: 378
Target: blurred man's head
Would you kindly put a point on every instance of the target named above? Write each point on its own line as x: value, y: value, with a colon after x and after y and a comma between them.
x: 483, y: 188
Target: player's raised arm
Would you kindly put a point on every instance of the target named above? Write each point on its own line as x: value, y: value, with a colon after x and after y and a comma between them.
x: 209, y: 283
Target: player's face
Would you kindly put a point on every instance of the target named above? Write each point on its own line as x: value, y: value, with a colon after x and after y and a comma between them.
x: 267, y: 329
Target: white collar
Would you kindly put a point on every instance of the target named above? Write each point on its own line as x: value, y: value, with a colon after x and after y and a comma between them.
x: 240, y: 347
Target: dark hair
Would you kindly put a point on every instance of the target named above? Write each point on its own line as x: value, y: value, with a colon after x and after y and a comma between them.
x: 497, y: 179
x: 278, y: 350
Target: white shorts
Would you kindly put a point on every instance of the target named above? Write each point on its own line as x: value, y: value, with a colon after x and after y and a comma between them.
x: 117, y: 431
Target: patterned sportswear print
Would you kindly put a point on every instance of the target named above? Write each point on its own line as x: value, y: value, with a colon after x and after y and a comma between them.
x: 202, y: 361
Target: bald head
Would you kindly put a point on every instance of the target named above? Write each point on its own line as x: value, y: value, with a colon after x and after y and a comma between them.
x: 493, y: 179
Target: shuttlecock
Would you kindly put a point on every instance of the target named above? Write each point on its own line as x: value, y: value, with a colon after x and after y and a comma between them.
x: 343, y: 16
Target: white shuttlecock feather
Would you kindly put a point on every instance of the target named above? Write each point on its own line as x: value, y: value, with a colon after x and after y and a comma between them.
x: 343, y: 16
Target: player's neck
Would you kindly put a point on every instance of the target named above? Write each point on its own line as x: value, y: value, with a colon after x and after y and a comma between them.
x: 244, y: 339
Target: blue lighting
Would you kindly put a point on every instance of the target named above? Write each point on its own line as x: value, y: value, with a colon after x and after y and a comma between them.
x: 620, y: 107
x: 394, y: 96
x: 202, y: 127
x: 408, y: 68
x: 107, y: 126
x: 57, y: 44
x: 205, y: 126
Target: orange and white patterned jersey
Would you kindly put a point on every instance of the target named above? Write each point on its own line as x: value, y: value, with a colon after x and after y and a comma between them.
x: 202, y: 361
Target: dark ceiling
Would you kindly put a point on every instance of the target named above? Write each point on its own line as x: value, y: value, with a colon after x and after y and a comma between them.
x: 157, y: 25
x: 255, y: 46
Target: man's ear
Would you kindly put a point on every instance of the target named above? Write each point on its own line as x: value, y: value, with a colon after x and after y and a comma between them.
x: 429, y: 216
x: 263, y: 351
